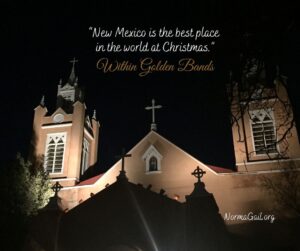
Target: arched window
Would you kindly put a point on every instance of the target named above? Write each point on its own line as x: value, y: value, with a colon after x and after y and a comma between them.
x: 153, y: 164
x: 152, y: 160
x: 54, y: 152
x: 263, y: 131
x: 85, y: 155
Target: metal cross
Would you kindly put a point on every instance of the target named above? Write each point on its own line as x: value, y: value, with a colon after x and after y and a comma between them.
x: 56, y: 188
x: 123, y: 156
x: 73, y: 61
x: 72, y: 78
x: 153, y: 107
x: 198, y: 173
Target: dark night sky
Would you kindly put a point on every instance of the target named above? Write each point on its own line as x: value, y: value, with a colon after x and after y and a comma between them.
x: 39, y: 41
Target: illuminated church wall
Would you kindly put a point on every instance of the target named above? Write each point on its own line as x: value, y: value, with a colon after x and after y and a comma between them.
x: 70, y: 122
x: 236, y: 193
x: 157, y: 162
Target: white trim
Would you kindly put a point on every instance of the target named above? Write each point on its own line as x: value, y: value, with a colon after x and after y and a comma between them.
x: 265, y: 161
x: 149, y: 153
x: 76, y: 187
x: 61, y: 179
x: 56, y: 126
x: 152, y: 172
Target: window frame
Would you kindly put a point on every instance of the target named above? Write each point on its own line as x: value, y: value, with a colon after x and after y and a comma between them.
x: 149, y: 153
x: 269, y: 112
x: 86, y: 160
x: 63, y: 136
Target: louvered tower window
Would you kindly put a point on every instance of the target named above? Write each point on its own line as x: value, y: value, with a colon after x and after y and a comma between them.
x: 54, y: 155
x: 263, y: 131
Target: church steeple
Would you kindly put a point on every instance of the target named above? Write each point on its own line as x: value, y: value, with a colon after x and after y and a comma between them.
x: 72, y: 77
x: 262, y: 117
x: 69, y: 93
x: 66, y: 138
x: 42, y: 102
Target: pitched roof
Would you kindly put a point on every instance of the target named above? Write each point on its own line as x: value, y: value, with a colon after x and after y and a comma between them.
x: 218, y: 169
x: 90, y: 181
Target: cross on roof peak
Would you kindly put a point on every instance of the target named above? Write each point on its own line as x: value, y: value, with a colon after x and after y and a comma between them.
x: 72, y: 77
x: 73, y: 61
x: 56, y: 188
x: 122, y: 157
x: 153, y: 107
x: 198, y: 173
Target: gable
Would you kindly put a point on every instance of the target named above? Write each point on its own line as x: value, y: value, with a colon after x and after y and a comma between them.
x: 150, y: 152
x: 59, y: 110
x: 176, y: 168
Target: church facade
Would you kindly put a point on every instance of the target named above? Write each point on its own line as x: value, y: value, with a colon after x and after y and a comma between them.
x: 265, y: 144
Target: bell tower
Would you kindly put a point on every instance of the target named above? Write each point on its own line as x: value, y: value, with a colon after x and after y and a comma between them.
x: 66, y: 139
x: 263, y: 126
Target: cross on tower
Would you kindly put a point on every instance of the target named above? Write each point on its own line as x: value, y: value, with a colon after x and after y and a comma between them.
x: 56, y: 188
x: 72, y: 74
x: 122, y: 157
x: 153, y: 107
x: 73, y: 61
x: 198, y: 173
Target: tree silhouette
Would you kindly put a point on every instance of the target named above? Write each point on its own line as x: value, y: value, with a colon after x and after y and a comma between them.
x: 285, y: 189
x: 24, y: 189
